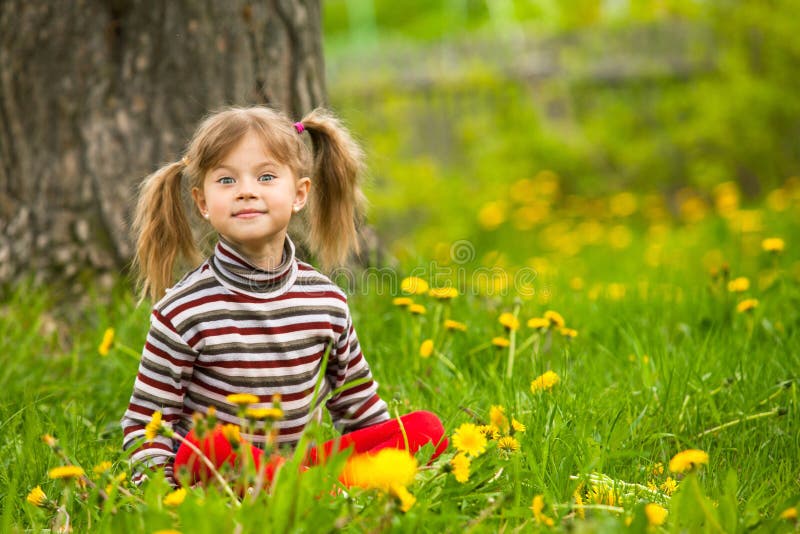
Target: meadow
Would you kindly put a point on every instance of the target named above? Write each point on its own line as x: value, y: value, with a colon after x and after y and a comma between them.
x: 638, y: 373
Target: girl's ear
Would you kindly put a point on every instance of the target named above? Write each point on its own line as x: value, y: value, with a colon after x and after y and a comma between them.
x: 200, y: 200
x: 301, y: 193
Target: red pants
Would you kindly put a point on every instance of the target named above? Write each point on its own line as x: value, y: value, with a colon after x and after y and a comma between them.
x: 420, y: 428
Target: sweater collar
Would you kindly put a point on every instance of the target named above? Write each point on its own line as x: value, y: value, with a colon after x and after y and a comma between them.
x: 238, y: 274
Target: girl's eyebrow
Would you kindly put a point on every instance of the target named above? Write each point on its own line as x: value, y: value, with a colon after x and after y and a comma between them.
x: 266, y: 163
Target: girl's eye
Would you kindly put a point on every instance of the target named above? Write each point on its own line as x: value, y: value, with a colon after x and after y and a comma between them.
x: 225, y: 180
x: 266, y: 177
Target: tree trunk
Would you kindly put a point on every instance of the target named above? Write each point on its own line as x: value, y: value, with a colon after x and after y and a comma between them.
x: 96, y: 94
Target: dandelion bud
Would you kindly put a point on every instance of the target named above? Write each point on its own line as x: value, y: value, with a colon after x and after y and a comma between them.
x: 426, y: 349
x: 37, y: 497
x: 199, y: 424
x: 154, y: 427
x: 211, y: 416
x: 790, y: 514
x: 232, y: 434
x: 107, y: 342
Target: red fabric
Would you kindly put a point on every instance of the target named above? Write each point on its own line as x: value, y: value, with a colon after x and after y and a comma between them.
x: 218, y: 449
x: 420, y: 428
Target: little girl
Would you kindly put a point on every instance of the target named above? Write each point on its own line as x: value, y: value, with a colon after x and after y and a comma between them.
x: 252, y: 318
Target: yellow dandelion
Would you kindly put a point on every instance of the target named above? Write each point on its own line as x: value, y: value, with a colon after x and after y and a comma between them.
x: 108, y: 341
x: 491, y: 215
x: 242, y: 399
x: 652, y: 486
x: 66, y: 471
x: 538, y: 322
x: 497, y: 417
x: 747, y: 305
x: 469, y: 439
x: 669, y: 486
x: 414, y: 285
x: 579, y: 509
x: 451, y: 325
x: 537, y: 506
x: 688, y: 460
x: 602, y: 494
x: 443, y: 293
x: 658, y: 469
x: 460, y: 464
x: 656, y: 514
x: 407, y: 500
x: 501, y: 342
x: 623, y: 204
x: 508, y: 444
x: 167, y: 531
x: 426, y: 349
x: 37, y: 497
x: 153, y: 427
x: 517, y: 426
x: 490, y: 431
x: 269, y: 414
x: 101, y: 468
x: 790, y: 514
x: 544, y: 382
x: 508, y: 321
x: 555, y: 318
x: 402, y: 302
x: 568, y: 333
x: 417, y: 309
x: 773, y: 244
x: 175, y: 498
x: 739, y: 285
x: 382, y: 470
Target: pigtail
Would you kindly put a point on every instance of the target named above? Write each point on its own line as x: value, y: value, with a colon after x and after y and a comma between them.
x: 162, y: 232
x: 336, y: 201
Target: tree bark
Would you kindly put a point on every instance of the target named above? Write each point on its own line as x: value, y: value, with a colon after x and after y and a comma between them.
x: 96, y: 94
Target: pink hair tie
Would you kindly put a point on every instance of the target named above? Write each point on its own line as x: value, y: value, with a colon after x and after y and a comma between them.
x: 299, y: 127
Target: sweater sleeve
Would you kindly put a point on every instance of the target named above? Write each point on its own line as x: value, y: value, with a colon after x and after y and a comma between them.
x: 357, y: 406
x: 164, y: 373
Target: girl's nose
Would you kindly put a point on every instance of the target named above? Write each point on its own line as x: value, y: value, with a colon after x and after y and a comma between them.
x: 245, y: 189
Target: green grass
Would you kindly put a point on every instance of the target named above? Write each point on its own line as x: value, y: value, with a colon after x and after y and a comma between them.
x: 648, y: 376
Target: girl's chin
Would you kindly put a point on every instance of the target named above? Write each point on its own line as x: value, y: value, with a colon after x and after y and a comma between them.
x: 255, y: 241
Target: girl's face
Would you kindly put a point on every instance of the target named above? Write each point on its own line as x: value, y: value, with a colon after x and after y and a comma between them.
x: 249, y: 199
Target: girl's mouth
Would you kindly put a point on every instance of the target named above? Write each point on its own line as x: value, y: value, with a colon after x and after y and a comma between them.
x: 248, y: 214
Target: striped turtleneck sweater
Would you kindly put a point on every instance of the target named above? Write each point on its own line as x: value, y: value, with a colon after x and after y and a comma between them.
x: 230, y: 327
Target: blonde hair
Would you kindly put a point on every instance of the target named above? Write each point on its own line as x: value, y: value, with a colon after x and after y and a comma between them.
x: 161, y: 224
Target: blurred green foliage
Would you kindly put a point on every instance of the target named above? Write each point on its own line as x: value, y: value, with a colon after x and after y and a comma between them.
x: 457, y: 100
